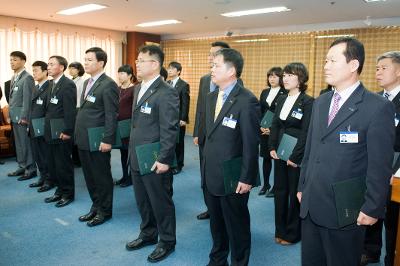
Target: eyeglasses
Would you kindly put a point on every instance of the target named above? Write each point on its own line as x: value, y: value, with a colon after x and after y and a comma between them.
x: 141, y: 61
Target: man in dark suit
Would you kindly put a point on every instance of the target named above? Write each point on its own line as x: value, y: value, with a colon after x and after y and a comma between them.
x: 232, y: 131
x: 330, y: 235
x: 174, y: 72
x: 205, y: 87
x: 61, y: 104
x: 22, y: 85
x: 388, y: 77
x: 38, y: 110
x: 99, y: 108
x: 155, y: 118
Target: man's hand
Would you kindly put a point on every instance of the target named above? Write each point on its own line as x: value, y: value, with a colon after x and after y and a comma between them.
x: 299, y: 194
x: 196, y: 141
x: 64, y: 137
x: 104, y: 147
x: 23, y: 122
x: 265, y: 131
x: 182, y: 123
x: 274, y: 155
x: 243, y: 188
x: 364, y: 219
x: 292, y: 164
x: 160, y: 168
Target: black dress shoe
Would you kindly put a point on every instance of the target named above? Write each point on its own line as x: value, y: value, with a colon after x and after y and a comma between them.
x: 160, y: 253
x: 53, y: 198
x: 176, y: 171
x: 27, y: 176
x: 203, y: 216
x: 45, y: 187
x: 36, y: 184
x: 17, y: 172
x: 64, y: 202
x: 263, y: 190
x: 270, y: 194
x: 87, y: 217
x: 365, y: 260
x: 126, y: 183
x: 98, y: 219
x: 139, y: 243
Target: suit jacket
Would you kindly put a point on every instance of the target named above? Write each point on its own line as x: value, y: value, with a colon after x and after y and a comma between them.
x: 224, y: 143
x: 65, y: 92
x: 39, y: 103
x: 396, y: 102
x: 184, y: 99
x: 292, y: 126
x: 326, y: 161
x: 160, y: 125
x: 21, y: 93
x: 7, y: 88
x: 264, y: 150
x: 102, y: 112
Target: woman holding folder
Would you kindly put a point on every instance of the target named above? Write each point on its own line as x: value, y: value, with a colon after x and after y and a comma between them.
x: 268, y: 99
x: 127, y: 80
x: 292, y: 117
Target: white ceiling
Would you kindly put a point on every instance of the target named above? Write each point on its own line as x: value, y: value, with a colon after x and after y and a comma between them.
x: 203, y: 16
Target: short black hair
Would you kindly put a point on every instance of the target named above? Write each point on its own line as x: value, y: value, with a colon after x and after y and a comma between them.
x: 19, y: 54
x: 393, y: 55
x: 233, y: 58
x: 128, y: 70
x: 153, y: 50
x: 61, y: 60
x: 300, y: 70
x: 41, y: 64
x: 220, y: 44
x: 100, y: 54
x: 277, y: 71
x: 164, y: 73
x: 176, y: 65
x: 354, y: 50
x: 79, y: 67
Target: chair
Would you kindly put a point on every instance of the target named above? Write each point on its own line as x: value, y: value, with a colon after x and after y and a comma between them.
x: 7, y: 148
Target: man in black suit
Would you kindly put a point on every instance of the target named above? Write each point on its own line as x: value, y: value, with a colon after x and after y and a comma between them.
x: 174, y: 72
x: 38, y: 110
x: 205, y: 87
x: 155, y: 118
x: 99, y: 108
x: 61, y: 104
x: 332, y: 235
x: 232, y: 125
x: 388, y: 77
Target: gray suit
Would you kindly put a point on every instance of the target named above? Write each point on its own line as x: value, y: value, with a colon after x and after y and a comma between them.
x: 21, y: 96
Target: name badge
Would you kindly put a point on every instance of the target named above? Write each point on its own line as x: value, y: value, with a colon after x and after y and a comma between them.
x: 396, y: 120
x: 54, y: 100
x: 39, y: 101
x: 145, y: 109
x: 229, y: 122
x: 91, y: 98
x: 297, y: 114
x: 15, y: 88
x: 348, y: 137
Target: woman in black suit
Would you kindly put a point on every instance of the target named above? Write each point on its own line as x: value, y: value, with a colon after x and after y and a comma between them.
x: 292, y: 117
x: 268, y: 99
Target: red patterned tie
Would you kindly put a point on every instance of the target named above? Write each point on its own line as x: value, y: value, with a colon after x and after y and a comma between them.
x: 335, y: 107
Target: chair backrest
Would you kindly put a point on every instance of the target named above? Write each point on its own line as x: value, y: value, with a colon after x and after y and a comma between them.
x: 5, y: 114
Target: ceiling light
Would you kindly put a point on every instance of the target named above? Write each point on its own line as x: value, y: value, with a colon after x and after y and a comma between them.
x: 252, y: 40
x: 159, y: 23
x: 81, y: 9
x: 333, y: 36
x: 371, y: 1
x: 256, y: 11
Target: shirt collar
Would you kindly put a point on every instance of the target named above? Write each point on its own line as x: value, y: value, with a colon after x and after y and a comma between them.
x: 345, y: 94
x: 229, y: 89
x: 393, y: 93
x: 58, y: 79
x: 174, y: 81
x: 147, y: 84
x: 96, y: 77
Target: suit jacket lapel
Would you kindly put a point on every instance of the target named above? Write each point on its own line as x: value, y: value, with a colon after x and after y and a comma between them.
x: 396, y: 101
x: 42, y: 90
x: 211, y: 111
x: 92, y: 89
x: 149, y: 92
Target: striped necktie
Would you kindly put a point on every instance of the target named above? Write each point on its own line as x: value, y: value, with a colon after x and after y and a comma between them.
x: 219, y: 104
x: 335, y: 107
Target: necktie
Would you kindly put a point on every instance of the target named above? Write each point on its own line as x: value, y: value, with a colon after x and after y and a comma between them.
x: 335, y: 107
x: 386, y: 95
x: 219, y: 104
x: 170, y: 82
x: 142, y: 91
x: 52, y: 88
x: 88, y: 87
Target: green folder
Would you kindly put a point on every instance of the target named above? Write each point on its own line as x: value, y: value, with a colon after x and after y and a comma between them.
x: 96, y: 135
x: 38, y: 126
x: 56, y: 127
x: 349, y: 197
x: 15, y: 114
x: 266, y: 122
x: 231, y: 172
x: 286, y: 147
x: 124, y: 128
x: 147, y: 155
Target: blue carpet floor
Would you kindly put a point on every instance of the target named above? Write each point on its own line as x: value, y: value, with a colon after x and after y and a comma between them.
x: 35, y: 233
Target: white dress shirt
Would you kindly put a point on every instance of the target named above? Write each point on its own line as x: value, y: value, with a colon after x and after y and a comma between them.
x: 288, y: 105
x: 272, y: 94
x: 144, y: 87
x: 344, y: 95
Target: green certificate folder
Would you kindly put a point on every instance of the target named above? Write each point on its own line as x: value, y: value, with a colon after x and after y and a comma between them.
x: 147, y: 155
x: 349, y: 197
x: 286, y: 147
x: 38, y: 126
x: 96, y: 135
x: 266, y: 122
x: 56, y: 127
x: 231, y: 172
x: 124, y: 128
x: 15, y: 114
